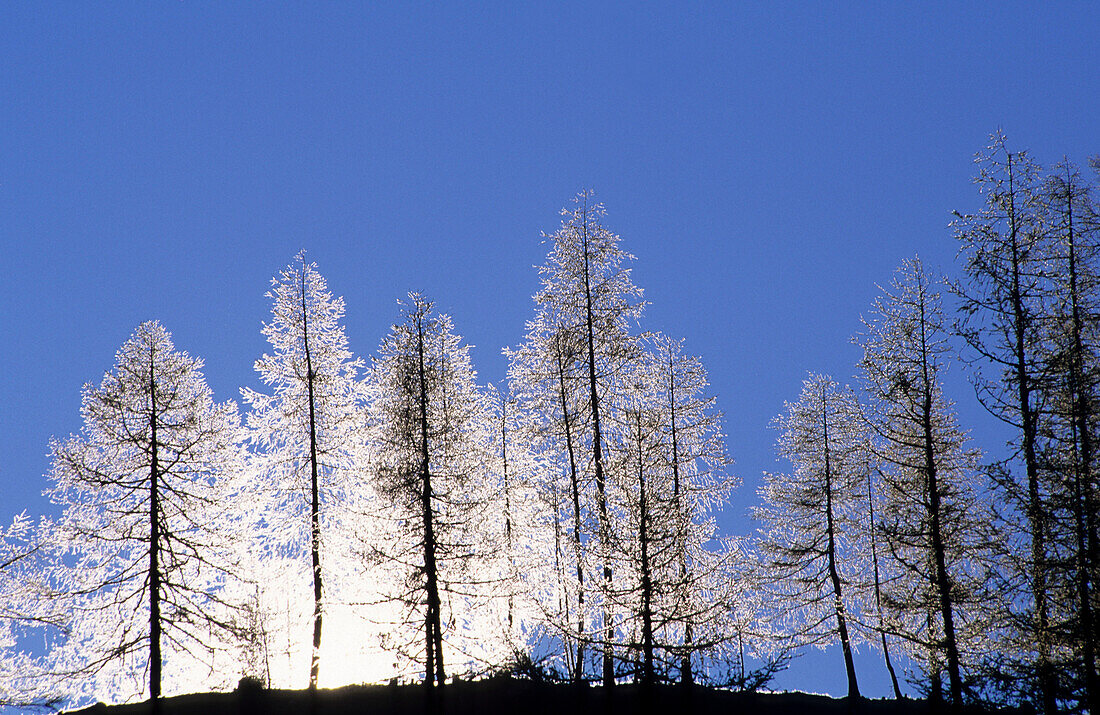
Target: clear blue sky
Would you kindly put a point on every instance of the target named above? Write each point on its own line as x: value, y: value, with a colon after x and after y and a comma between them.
x: 768, y: 163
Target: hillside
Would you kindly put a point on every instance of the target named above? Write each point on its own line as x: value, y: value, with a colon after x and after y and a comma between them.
x: 503, y: 695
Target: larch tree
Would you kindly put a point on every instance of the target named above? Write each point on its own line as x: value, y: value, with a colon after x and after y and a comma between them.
x: 28, y: 607
x: 144, y: 540
x: 307, y: 434
x: 814, y: 517
x: 643, y: 537
x: 668, y: 438
x: 584, y: 313
x: 1068, y: 429
x: 931, y: 519
x: 433, y: 445
x: 525, y: 524
x: 1001, y: 248
x: 547, y: 382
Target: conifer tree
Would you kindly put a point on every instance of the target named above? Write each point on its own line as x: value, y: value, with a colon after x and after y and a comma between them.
x: 584, y: 312
x: 932, y: 519
x: 690, y: 482
x: 546, y: 378
x: 1068, y: 431
x: 307, y: 432
x: 1002, y: 252
x: 144, y: 549
x: 813, y: 517
x: 433, y: 447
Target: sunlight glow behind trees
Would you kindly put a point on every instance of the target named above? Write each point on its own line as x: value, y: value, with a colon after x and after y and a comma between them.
x: 405, y: 522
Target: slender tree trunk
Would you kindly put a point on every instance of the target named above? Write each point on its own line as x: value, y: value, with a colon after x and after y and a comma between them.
x: 1028, y: 425
x: 155, y: 660
x: 686, y: 676
x: 578, y: 675
x: 648, y: 676
x: 878, y: 591
x: 433, y: 626
x: 1084, y: 507
x: 315, y: 502
x: 507, y: 505
x: 939, y: 555
x: 597, y: 456
x: 834, y: 575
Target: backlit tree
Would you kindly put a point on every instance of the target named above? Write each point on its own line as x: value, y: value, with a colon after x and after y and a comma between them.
x: 144, y: 548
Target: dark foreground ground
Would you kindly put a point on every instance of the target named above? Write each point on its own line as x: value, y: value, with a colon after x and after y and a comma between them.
x: 503, y: 695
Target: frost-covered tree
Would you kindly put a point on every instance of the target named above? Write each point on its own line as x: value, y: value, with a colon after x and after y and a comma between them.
x: 143, y: 544
x: 1002, y: 296
x: 669, y: 453
x: 1068, y: 426
x: 307, y: 437
x: 814, y: 518
x: 932, y: 519
x: 580, y: 347
x: 546, y: 381
x: 525, y: 523
x: 433, y: 447
x: 27, y: 608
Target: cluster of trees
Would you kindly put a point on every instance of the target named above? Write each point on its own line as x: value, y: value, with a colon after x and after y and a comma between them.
x: 365, y: 521
x: 891, y: 531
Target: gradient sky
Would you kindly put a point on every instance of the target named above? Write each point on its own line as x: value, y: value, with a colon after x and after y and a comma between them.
x: 767, y: 163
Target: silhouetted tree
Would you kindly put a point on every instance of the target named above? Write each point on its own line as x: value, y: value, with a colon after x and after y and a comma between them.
x: 144, y: 548
x: 433, y: 452
x: 1002, y: 294
x: 814, y: 517
x: 1068, y: 429
x: 308, y: 431
x: 932, y: 520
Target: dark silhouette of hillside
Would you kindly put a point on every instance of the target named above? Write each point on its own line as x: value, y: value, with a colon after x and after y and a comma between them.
x: 524, y: 697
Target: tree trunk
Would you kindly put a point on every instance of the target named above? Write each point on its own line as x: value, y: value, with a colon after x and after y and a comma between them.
x: 686, y: 676
x: 939, y: 555
x: 155, y: 660
x: 315, y: 502
x: 578, y: 675
x: 834, y: 575
x: 878, y: 592
x: 597, y: 456
x: 433, y: 628
x: 648, y: 676
x: 507, y: 507
x: 1084, y: 508
x: 1028, y: 425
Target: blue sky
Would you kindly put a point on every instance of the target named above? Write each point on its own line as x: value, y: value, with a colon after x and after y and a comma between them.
x: 768, y: 164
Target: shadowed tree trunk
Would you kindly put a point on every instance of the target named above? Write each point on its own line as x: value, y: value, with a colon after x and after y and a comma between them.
x: 433, y: 663
x: 597, y: 457
x: 155, y: 661
x: 942, y: 581
x: 315, y: 502
x: 878, y: 590
x: 574, y: 489
x: 834, y: 575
